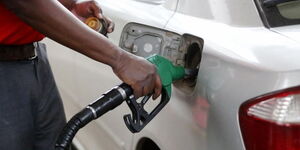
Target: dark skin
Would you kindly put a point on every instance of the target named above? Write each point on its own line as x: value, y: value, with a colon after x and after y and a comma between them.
x: 55, y: 20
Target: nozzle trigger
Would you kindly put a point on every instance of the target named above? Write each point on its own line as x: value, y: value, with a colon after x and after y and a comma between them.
x: 140, y: 117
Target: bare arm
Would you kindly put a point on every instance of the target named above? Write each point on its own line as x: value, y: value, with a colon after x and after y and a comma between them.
x: 52, y: 19
x: 55, y: 21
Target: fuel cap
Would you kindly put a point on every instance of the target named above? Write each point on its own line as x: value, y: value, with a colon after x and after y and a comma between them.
x: 96, y: 24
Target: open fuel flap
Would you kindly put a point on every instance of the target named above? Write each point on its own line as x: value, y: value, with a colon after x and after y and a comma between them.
x: 183, y: 50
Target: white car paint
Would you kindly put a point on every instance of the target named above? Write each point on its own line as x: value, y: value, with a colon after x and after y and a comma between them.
x: 291, y: 32
x: 241, y: 59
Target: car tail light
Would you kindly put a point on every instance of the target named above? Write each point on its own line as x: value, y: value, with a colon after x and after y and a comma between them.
x: 272, y: 121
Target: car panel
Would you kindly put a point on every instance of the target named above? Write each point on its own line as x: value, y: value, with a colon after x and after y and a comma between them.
x: 250, y: 46
x: 125, y: 11
x: 292, y: 32
x: 237, y: 64
x: 226, y: 86
x: 231, y: 12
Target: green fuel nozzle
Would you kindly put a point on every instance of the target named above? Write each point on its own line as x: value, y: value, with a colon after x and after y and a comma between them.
x: 167, y: 71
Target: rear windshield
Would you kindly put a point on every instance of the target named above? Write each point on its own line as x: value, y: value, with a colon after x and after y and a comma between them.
x: 277, y: 13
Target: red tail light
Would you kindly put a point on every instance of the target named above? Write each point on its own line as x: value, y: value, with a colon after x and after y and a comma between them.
x: 272, y: 121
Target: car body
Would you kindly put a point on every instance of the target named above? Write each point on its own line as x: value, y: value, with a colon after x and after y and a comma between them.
x: 242, y: 57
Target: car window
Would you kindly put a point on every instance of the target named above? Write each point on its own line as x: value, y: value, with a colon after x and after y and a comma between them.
x: 290, y: 10
x: 276, y: 13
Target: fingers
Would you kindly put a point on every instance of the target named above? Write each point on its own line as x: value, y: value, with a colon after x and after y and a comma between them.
x: 97, y: 12
x: 158, y: 87
x: 137, y: 91
x: 151, y: 85
x: 111, y: 24
x: 96, y: 9
x: 143, y: 88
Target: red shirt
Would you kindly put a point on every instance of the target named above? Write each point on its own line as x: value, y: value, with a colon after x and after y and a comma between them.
x: 14, y: 31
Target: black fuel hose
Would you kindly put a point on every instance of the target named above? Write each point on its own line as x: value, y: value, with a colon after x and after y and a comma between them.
x: 105, y: 103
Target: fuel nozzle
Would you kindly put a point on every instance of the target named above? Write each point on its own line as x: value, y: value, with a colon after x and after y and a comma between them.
x: 169, y: 73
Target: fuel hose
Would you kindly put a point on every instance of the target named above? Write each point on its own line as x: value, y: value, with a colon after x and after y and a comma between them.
x: 105, y: 103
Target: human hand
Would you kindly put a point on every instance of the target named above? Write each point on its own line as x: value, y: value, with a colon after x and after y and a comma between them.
x: 140, y: 74
x: 85, y: 9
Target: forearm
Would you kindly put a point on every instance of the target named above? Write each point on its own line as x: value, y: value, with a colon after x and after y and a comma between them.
x: 55, y: 21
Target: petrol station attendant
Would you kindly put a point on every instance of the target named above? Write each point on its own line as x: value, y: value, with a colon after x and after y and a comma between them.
x: 31, y: 111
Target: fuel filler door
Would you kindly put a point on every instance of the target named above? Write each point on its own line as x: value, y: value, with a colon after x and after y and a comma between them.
x: 182, y: 50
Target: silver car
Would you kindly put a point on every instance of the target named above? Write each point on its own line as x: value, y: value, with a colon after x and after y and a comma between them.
x: 246, y: 94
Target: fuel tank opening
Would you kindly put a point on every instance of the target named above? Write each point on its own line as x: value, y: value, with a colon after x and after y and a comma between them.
x: 192, y: 46
x: 193, y: 56
x: 192, y: 62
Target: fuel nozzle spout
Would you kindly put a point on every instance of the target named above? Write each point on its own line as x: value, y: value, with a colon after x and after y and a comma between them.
x: 191, y: 73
